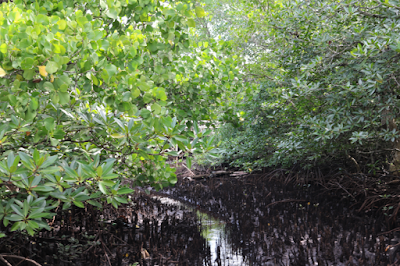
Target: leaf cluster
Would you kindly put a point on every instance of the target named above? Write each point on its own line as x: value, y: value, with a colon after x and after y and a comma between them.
x: 327, y: 75
x: 96, y: 95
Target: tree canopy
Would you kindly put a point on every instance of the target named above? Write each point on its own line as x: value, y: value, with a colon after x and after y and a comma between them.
x: 328, y: 86
x: 98, y: 93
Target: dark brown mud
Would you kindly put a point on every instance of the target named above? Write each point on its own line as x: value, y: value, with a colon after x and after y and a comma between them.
x: 256, y: 221
x: 269, y: 223
x: 144, y: 232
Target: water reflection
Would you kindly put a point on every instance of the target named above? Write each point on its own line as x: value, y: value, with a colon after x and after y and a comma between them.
x: 216, y: 234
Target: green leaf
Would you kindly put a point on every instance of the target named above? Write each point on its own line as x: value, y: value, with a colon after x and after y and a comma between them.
x: 38, y: 215
x: 135, y: 93
x: 64, y: 97
x: 156, y: 108
x: 16, y: 226
x: 50, y: 170
x: 33, y: 224
x: 124, y: 190
x: 3, y: 48
x: 94, y: 203
x: 111, y: 70
x: 109, y: 176
x: 160, y: 92
x: 121, y: 200
x: 43, y: 188
x: 48, y: 86
x: 147, y: 97
x: 62, y: 24
x: 49, y: 123
x: 172, y: 153
x: 189, y: 162
x: 51, y: 67
x: 78, y: 204
x: 34, y: 104
x: 54, y: 97
x: 12, y: 99
x: 103, y: 188
x: 112, y: 13
x: 17, y: 211
x: 27, y: 63
x: 173, y: 179
x: 191, y: 23
x: 49, y: 161
x: 117, y: 136
x: 59, y: 49
x: 200, y: 11
x: 29, y: 74
x: 144, y: 86
x: 59, y: 134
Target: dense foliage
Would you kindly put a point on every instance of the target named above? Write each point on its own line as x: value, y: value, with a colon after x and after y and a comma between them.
x: 94, y: 93
x: 328, y: 75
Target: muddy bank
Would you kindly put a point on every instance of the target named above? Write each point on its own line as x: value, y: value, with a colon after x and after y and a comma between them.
x: 218, y: 220
x: 146, y: 232
x: 274, y: 224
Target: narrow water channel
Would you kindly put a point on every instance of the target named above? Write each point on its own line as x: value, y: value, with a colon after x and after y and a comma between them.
x: 268, y: 224
x: 216, y: 234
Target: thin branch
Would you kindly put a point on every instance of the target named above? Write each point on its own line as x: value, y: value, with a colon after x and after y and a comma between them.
x: 284, y: 201
x: 188, y: 169
x: 345, y: 190
x: 371, y: 15
x: 20, y: 257
x: 105, y: 251
x: 4, y: 260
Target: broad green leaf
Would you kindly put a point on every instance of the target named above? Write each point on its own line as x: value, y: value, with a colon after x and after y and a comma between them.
x: 62, y: 24
x: 78, y: 204
x: 48, y: 86
x: 147, y: 97
x: 59, y: 134
x: 43, y: 188
x: 51, y: 67
x: 50, y: 170
x: 121, y: 200
x: 103, y: 188
x: 12, y: 100
x: 59, y: 49
x: 200, y: 11
x: 112, y: 13
x: 94, y: 203
x: 49, y: 123
x: 18, y: 211
x: 189, y: 162
x: 54, y: 97
x: 34, y: 104
x: 191, y: 23
x: 125, y: 190
x: 144, y: 86
x: 49, y: 161
x: 3, y: 48
x: 135, y: 93
x: 109, y: 176
x: 156, y: 108
x: 111, y: 70
x: 29, y: 74
x: 64, y: 97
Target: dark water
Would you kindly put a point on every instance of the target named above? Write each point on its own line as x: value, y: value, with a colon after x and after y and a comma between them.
x: 214, y: 231
x: 258, y: 222
x: 219, y: 221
